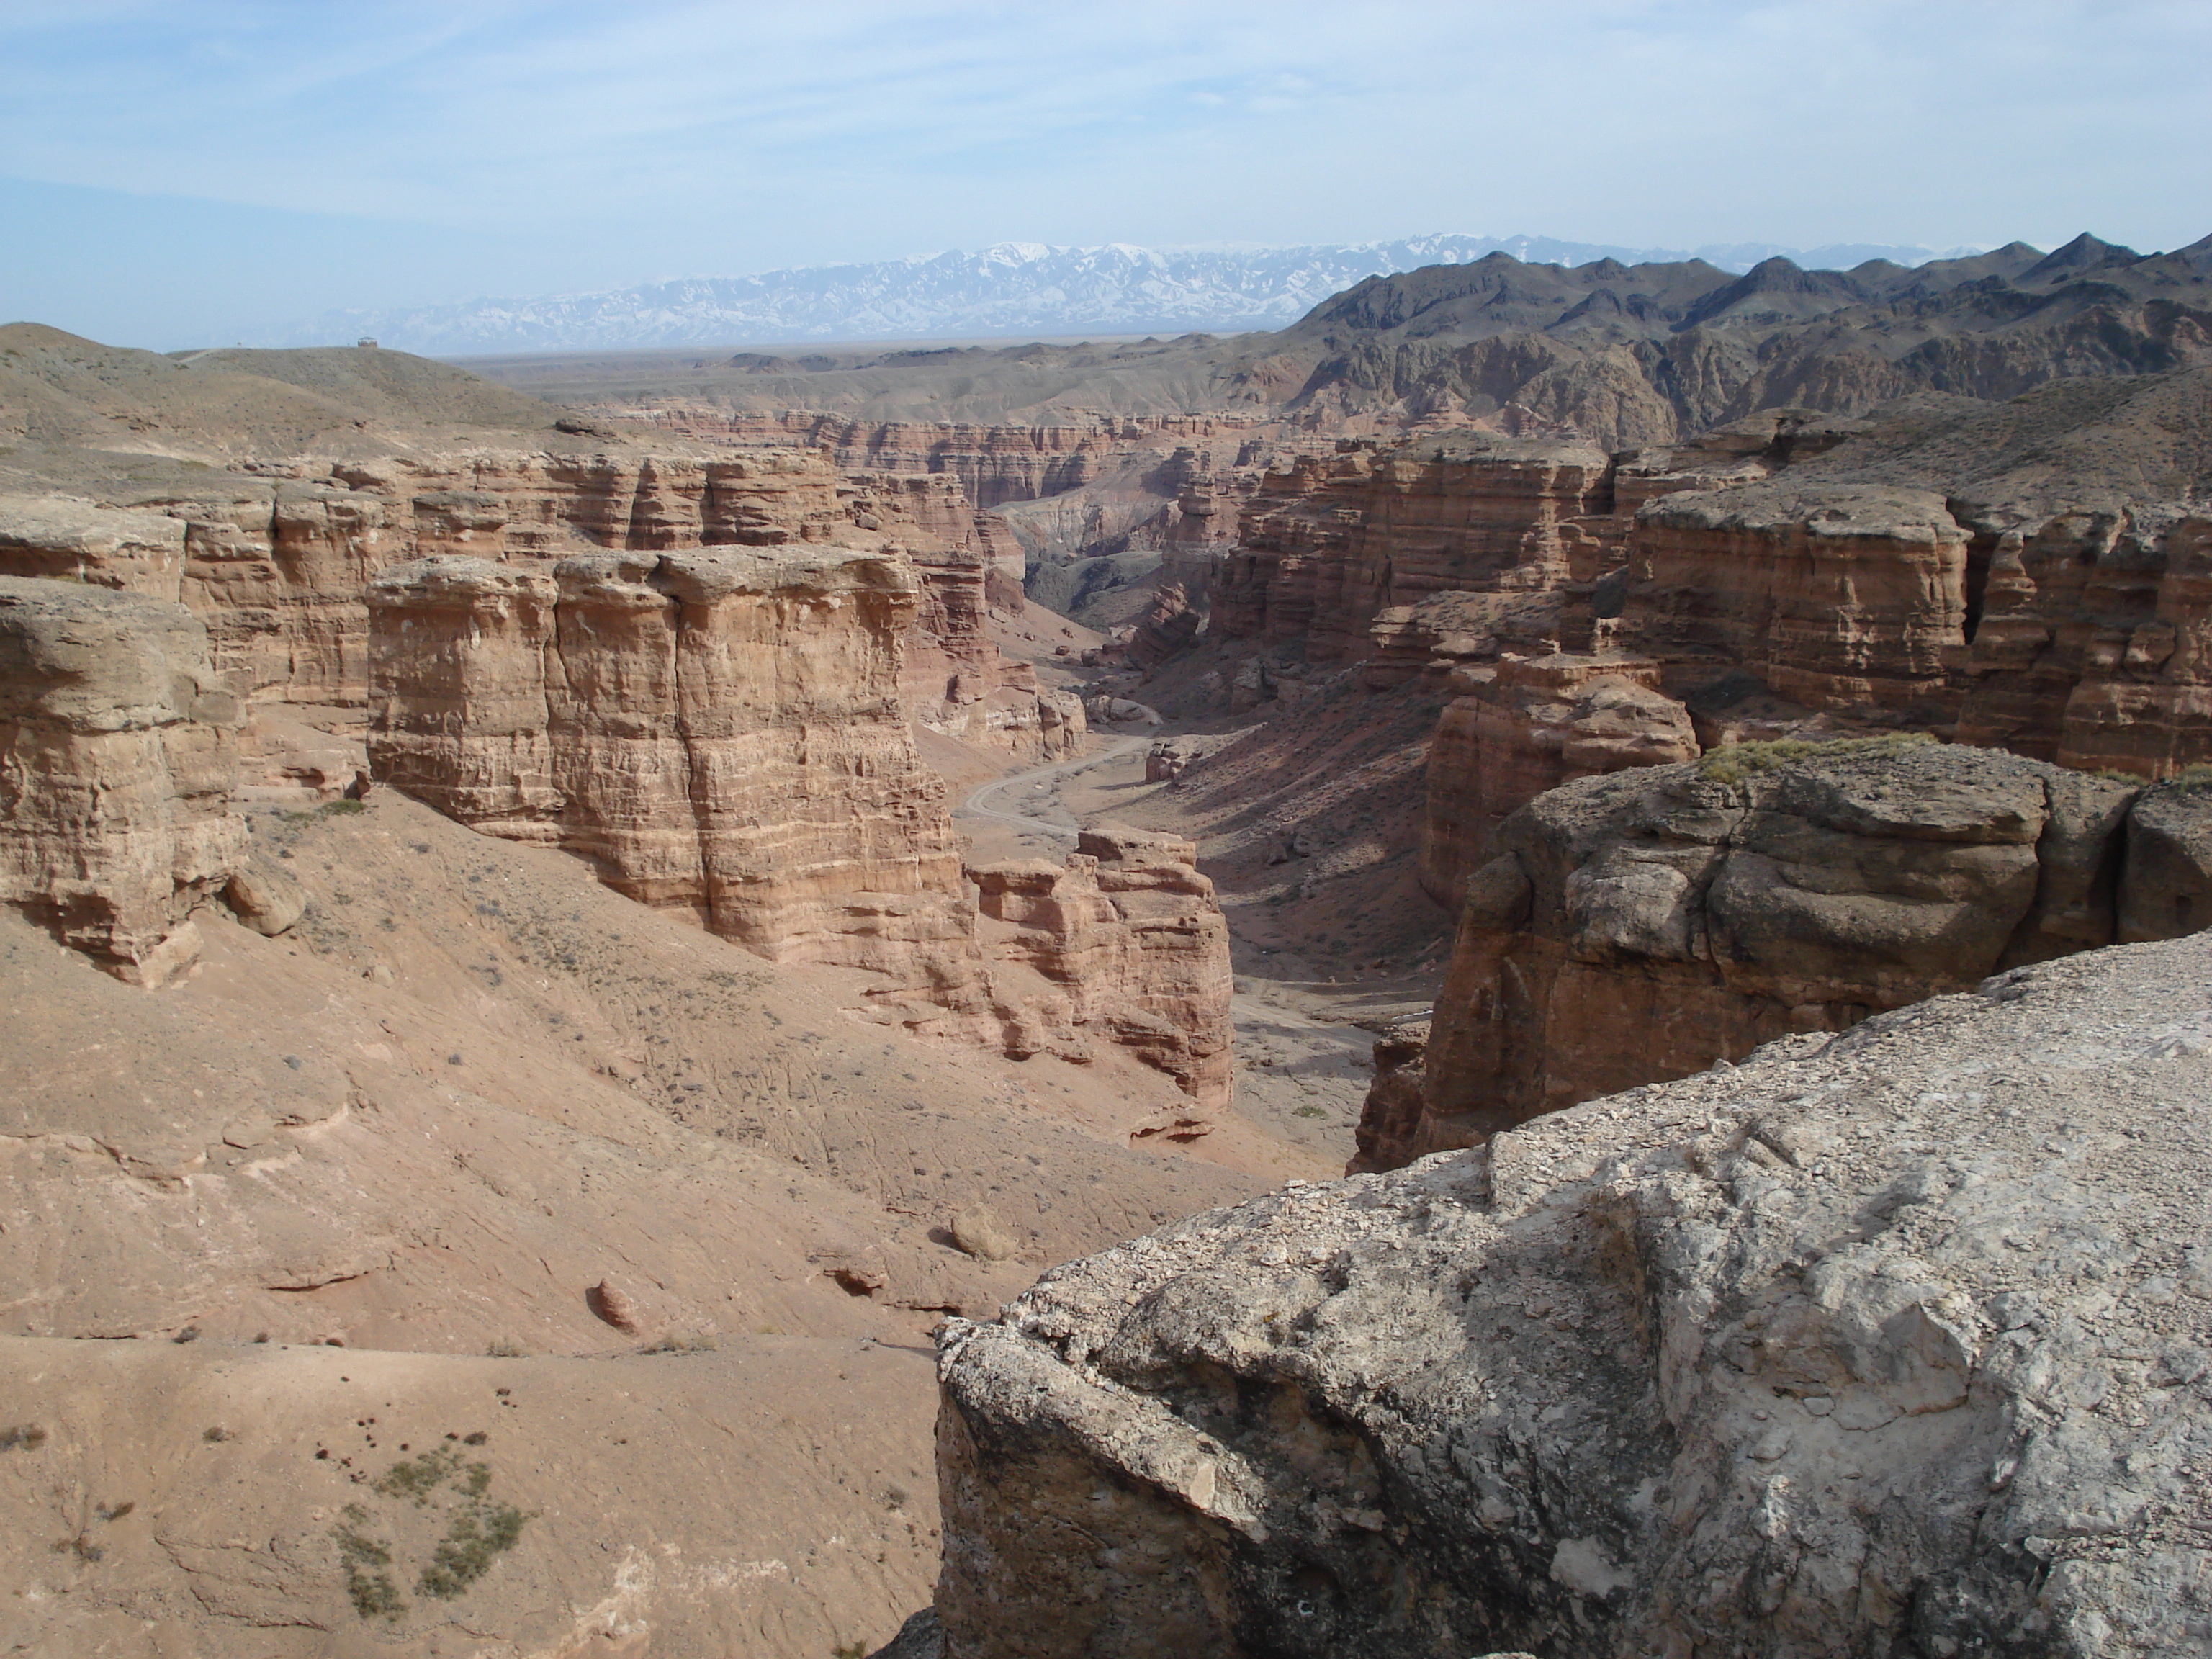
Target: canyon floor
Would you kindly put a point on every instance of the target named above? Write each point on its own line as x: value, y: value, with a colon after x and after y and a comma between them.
x: 1331, y: 942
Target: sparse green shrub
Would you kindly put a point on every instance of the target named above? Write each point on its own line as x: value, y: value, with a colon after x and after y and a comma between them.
x: 369, y: 1584
x: 480, y: 1533
x: 1733, y: 763
x: 503, y: 1349
x: 417, y: 1477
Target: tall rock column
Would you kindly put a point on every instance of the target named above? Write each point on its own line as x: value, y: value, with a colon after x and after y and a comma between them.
x: 118, y: 758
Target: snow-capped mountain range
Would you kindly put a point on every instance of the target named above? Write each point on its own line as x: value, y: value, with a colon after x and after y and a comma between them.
x: 1013, y: 288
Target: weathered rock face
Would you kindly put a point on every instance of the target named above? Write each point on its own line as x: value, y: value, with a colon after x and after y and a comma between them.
x: 1168, y: 624
x: 718, y: 731
x: 1129, y: 945
x: 1641, y: 926
x: 63, y: 537
x: 276, y: 567
x: 1850, y: 598
x: 1528, y: 726
x: 118, y: 753
x: 1335, y: 541
x: 993, y: 464
x: 1892, y: 1343
x: 956, y: 681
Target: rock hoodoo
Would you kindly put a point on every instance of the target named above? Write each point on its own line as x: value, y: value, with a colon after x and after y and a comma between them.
x: 119, y: 755
x: 1894, y: 1342
x: 1644, y: 925
x: 1130, y: 944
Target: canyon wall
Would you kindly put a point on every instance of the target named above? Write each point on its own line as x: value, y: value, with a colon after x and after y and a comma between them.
x: 1644, y: 925
x: 275, y: 565
x: 119, y: 755
x: 721, y: 732
x: 1327, y: 547
x: 2035, y: 575
x: 994, y: 465
x: 1890, y: 1343
x: 718, y: 731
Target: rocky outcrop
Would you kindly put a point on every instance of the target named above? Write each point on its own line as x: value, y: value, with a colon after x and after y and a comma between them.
x: 717, y: 732
x: 1330, y: 544
x: 1126, y: 943
x: 1168, y: 626
x: 119, y: 755
x: 1527, y: 726
x: 75, y: 540
x: 1645, y: 925
x: 1893, y: 1342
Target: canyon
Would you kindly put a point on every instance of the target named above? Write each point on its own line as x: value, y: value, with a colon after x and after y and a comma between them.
x: 539, y: 912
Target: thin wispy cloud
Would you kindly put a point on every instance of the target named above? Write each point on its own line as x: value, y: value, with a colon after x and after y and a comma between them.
x: 536, y: 147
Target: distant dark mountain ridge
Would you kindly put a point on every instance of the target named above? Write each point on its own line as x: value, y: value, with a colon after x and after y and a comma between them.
x: 1631, y: 354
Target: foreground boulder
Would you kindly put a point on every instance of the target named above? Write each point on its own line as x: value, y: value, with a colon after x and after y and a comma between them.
x: 119, y: 755
x: 1891, y: 1342
x: 1641, y: 926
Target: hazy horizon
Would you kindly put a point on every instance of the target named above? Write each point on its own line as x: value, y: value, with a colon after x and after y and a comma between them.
x: 184, y: 175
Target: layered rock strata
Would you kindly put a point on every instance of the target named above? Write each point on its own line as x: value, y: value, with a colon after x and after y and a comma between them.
x: 1328, y: 546
x: 1645, y: 925
x: 1131, y: 946
x: 119, y: 755
x: 718, y: 731
x: 275, y: 565
x: 1847, y: 597
x: 719, y: 734
x: 1892, y: 1342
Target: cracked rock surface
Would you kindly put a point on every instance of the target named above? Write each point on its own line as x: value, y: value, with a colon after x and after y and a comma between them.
x: 1891, y: 1342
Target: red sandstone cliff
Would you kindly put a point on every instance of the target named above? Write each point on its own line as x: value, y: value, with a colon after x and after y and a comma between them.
x: 721, y: 732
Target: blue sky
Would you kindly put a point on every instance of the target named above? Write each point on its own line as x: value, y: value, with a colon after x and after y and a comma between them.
x: 172, y: 172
